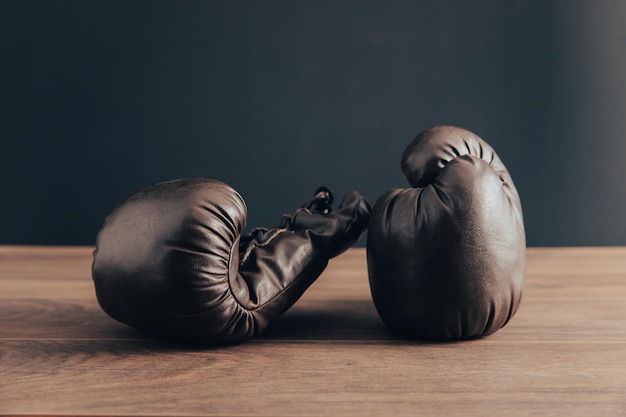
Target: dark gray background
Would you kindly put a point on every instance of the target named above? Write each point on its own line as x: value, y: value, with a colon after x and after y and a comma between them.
x: 101, y: 98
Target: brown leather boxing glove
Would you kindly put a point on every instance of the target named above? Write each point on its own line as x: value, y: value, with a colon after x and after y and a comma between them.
x: 171, y: 260
x: 446, y: 257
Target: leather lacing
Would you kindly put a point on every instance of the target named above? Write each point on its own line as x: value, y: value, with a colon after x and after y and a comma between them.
x: 320, y: 203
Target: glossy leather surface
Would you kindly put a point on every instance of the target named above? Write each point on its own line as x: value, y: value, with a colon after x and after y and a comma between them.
x: 171, y: 259
x: 446, y: 258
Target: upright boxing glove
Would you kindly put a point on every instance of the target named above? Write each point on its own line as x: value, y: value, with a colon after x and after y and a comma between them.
x: 172, y: 261
x: 446, y: 258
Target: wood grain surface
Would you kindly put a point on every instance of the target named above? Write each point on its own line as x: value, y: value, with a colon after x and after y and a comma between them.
x: 563, y: 354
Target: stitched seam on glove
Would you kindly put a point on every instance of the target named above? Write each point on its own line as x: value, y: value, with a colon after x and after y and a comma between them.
x: 258, y: 244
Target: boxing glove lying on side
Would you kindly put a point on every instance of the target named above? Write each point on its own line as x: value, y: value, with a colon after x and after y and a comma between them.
x: 171, y: 260
x: 446, y: 258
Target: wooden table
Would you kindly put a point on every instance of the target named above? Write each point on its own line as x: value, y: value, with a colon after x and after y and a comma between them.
x: 563, y: 354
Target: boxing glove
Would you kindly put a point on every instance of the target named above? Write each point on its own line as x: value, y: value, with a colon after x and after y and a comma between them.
x: 446, y: 258
x: 171, y: 260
